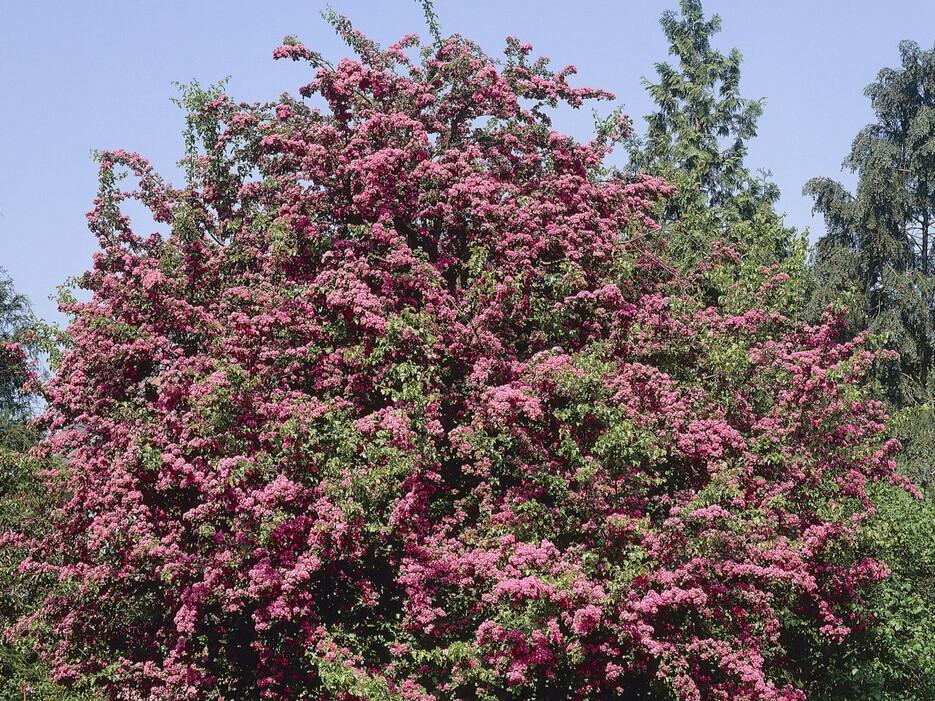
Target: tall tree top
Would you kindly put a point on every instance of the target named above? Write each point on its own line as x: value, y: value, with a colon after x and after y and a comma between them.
x: 698, y: 135
x: 879, y: 243
x: 894, y: 157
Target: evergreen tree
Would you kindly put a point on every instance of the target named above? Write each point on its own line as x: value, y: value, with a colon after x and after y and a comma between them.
x: 698, y: 135
x: 877, y: 253
x: 697, y: 140
x: 876, y: 258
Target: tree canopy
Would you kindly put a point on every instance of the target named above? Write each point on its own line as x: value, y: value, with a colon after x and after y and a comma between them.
x: 416, y: 398
x: 697, y: 140
x: 876, y: 255
x: 409, y: 405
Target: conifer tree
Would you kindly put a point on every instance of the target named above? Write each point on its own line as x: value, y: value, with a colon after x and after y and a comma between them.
x: 876, y: 259
x: 698, y: 135
x: 877, y: 253
x: 697, y: 140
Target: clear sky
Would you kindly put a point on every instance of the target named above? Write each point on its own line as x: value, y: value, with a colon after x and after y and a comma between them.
x: 77, y: 76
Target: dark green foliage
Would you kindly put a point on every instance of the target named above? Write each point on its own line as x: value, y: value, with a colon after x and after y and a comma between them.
x: 877, y: 254
x: 24, y: 505
x: 697, y: 140
x: 890, y: 656
x: 18, y: 341
x: 876, y: 260
x: 698, y: 135
x: 15, y: 325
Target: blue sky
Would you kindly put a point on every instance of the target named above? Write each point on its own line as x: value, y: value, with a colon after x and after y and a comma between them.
x: 77, y: 76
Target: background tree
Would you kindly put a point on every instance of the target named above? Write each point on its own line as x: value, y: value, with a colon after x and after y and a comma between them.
x: 698, y: 135
x: 16, y: 325
x: 697, y: 140
x: 876, y: 260
x: 876, y: 256
x: 15, y: 437
x: 24, y: 498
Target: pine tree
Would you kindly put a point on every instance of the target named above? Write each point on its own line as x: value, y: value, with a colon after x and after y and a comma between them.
x: 878, y: 250
x: 697, y: 139
x: 699, y: 133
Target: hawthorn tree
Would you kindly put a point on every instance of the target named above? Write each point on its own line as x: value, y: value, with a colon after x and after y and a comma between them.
x: 408, y: 404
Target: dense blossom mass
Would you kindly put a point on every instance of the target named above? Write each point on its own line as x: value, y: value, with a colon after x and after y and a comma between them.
x: 407, y: 404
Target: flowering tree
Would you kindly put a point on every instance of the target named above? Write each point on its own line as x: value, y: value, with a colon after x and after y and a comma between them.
x: 408, y: 405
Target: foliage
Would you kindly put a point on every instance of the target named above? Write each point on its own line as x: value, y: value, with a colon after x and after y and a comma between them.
x: 24, y: 501
x: 699, y: 109
x: 893, y: 657
x: 15, y: 325
x: 409, y: 405
x: 876, y: 261
x: 876, y: 255
x: 697, y: 141
x: 24, y: 505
